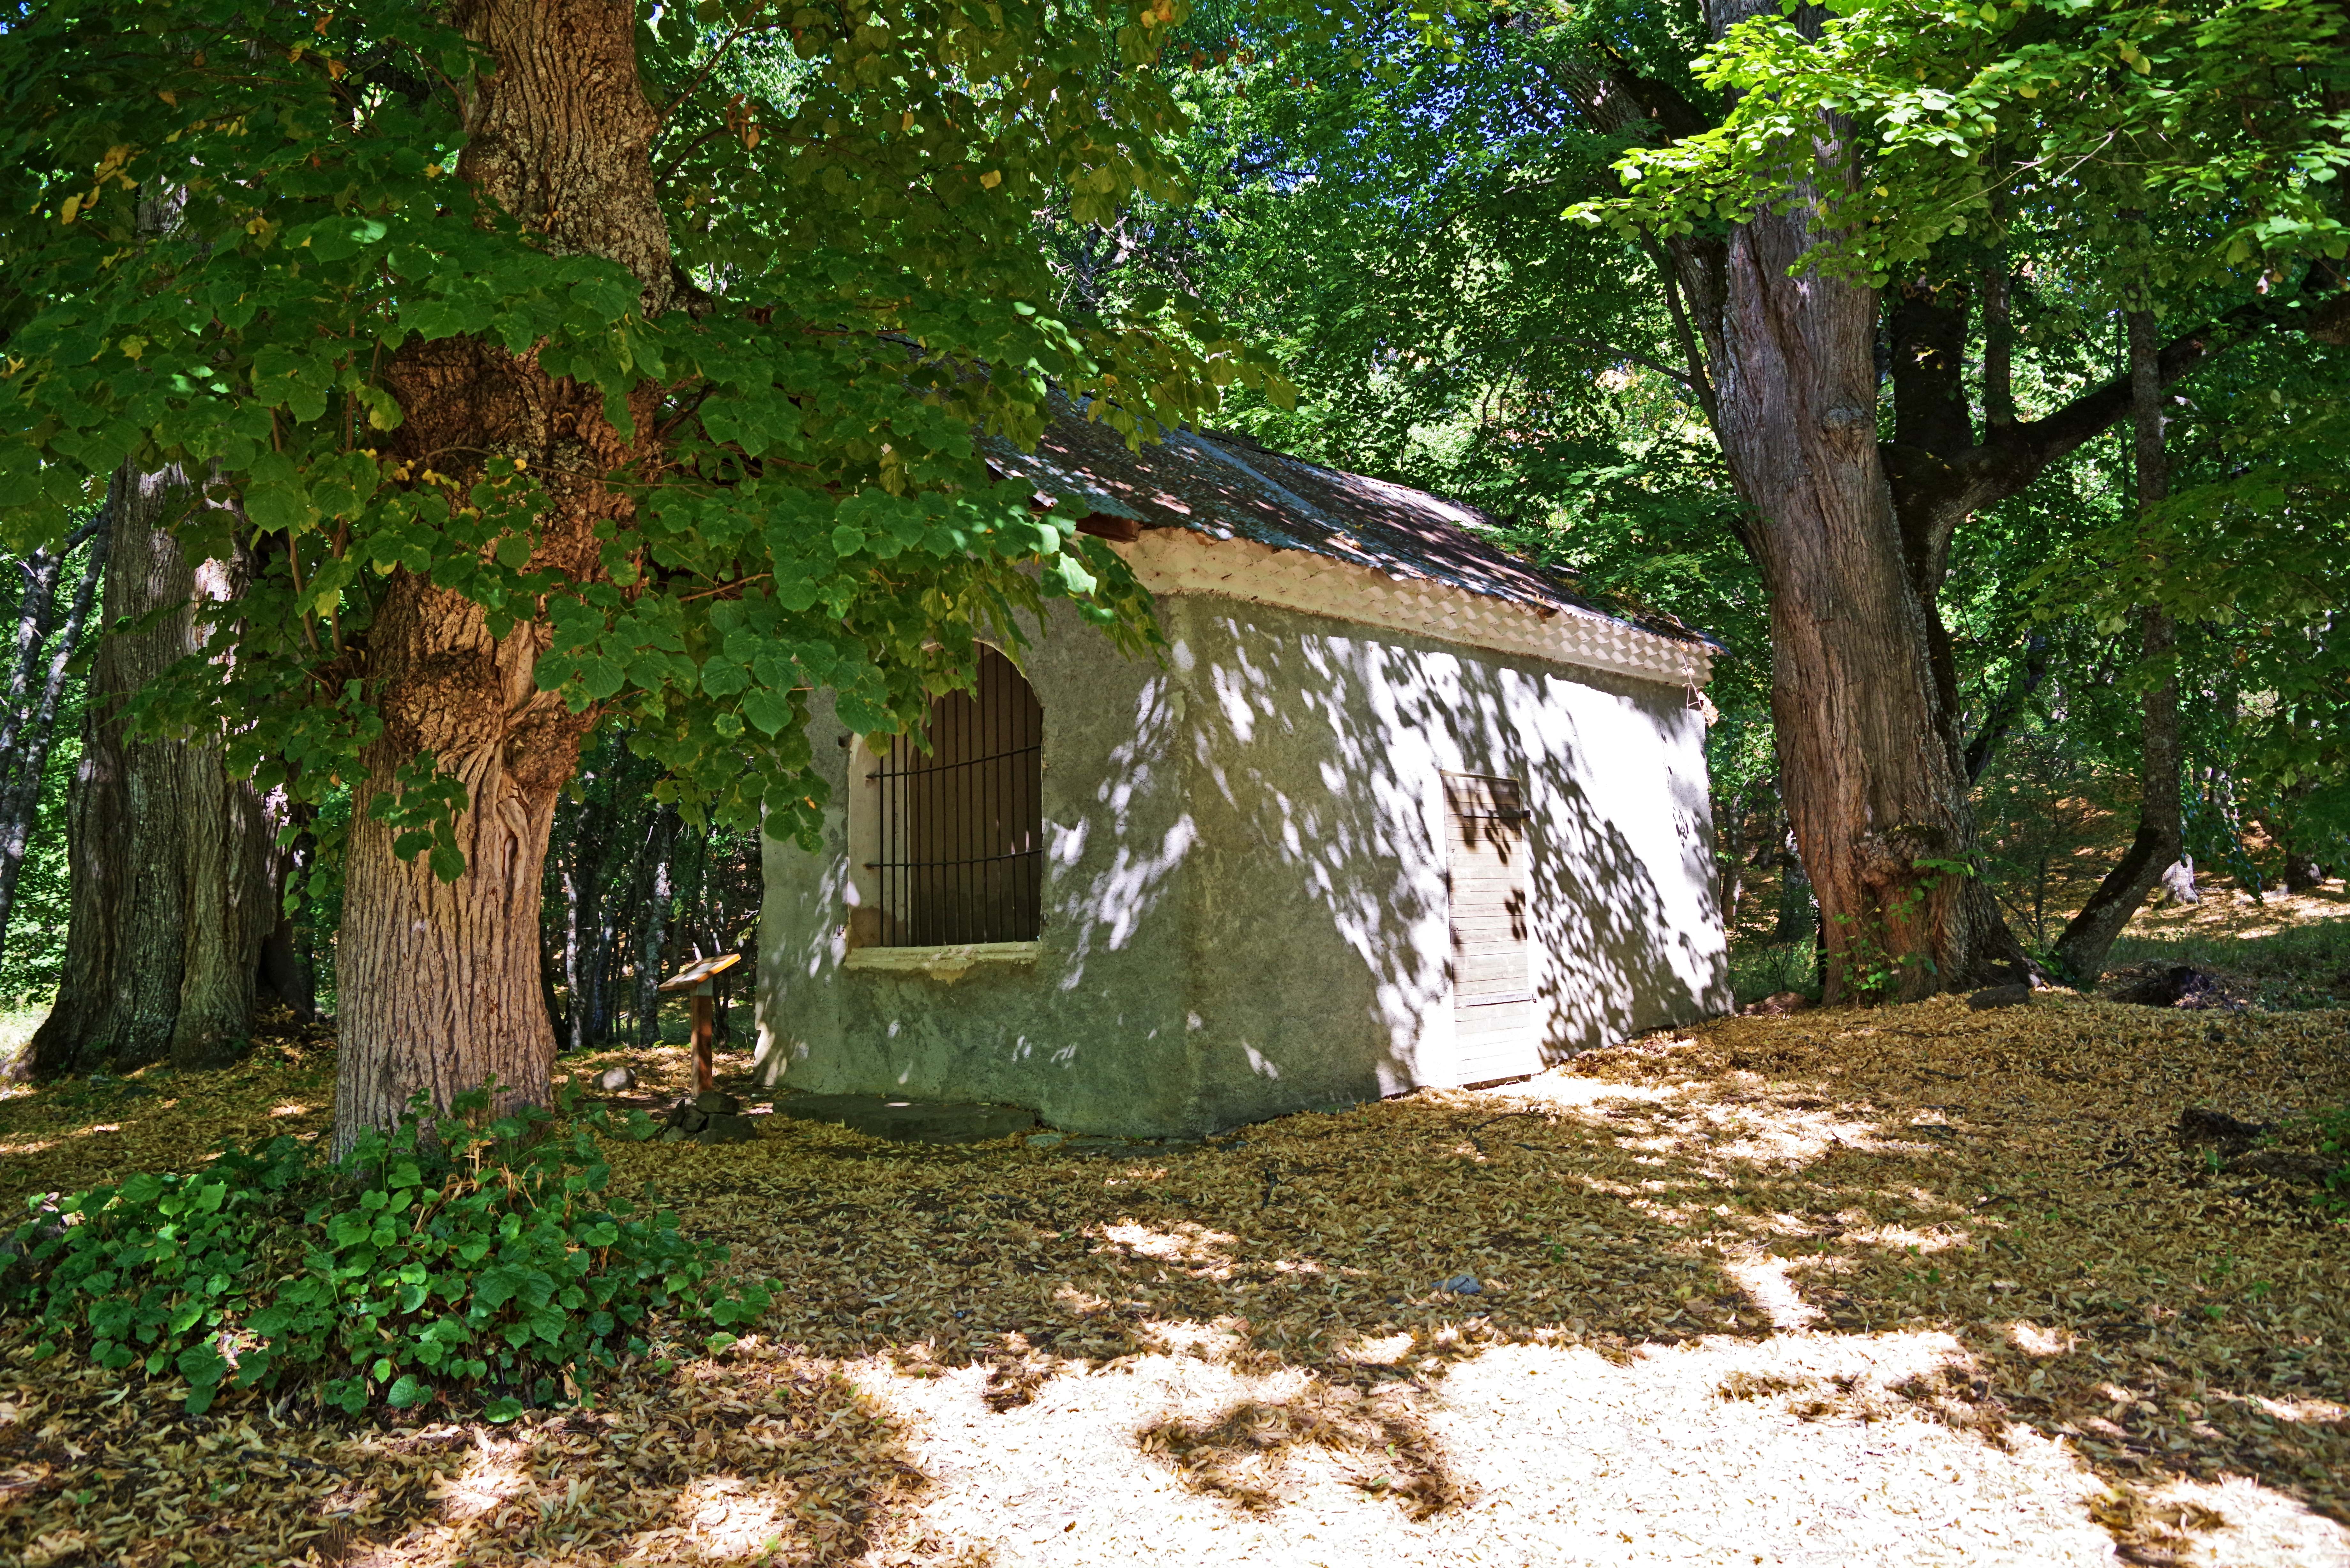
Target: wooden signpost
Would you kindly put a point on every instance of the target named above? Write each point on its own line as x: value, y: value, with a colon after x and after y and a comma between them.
x: 695, y: 979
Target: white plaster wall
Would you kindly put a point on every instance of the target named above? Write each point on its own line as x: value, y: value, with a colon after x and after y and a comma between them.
x: 1246, y: 907
x: 1320, y: 907
x: 1091, y: 1033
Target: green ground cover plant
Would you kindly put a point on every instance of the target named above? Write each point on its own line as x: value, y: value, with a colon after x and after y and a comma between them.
x: 484, y: 1259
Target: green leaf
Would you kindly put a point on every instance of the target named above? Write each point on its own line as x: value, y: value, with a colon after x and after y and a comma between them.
x: 722, y: 678
x: 278, y: 508
x: 768, y: 711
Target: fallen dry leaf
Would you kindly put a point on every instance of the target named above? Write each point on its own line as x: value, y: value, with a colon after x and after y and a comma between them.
x: 1991, y: 1214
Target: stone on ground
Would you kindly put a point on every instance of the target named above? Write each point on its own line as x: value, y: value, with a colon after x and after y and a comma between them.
x: 725, y: 1128
x: 709, y: 1116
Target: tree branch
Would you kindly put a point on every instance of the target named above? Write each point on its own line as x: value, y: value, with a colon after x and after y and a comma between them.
x: 1596, y: 347
x: 1697, y: 379
x: 701, y: 76
x: 2008, y: 708
x: 2016, y: 454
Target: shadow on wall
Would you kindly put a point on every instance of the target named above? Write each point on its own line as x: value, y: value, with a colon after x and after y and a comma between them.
x: 1313, y: 859
x: 1105, y: 893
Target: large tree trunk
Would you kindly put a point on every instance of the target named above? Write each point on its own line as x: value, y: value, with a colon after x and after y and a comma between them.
x: 1784, y: 359
x: 440, y: 985
x: 1865, y: 695
x: 2161, y: 827
x: 170, y: 895
x: 1866, y: 765
x: 439, y: 980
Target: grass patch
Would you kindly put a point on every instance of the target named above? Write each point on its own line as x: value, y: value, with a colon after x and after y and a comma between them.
x: 2301, y: 966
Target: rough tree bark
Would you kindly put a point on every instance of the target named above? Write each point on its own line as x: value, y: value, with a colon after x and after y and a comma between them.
x: 439, y: 981
x: 1782, y: 360
x: 1870, y: 783
x: 1786, y: 358
x: 1852, y: 533
x: 168, y: 855
x: 2161, y: 834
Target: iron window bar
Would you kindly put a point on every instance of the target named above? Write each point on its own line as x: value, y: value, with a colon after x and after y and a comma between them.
x: 960, y: 839
x: 949, y: 767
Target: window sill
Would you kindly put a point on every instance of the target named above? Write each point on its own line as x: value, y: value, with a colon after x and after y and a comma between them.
x: 942, y: 963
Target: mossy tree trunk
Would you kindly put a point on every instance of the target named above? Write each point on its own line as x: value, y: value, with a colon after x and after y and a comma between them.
x: 169, y: 854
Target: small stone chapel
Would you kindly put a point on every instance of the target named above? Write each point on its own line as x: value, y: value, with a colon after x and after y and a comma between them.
x: 1396, y: 808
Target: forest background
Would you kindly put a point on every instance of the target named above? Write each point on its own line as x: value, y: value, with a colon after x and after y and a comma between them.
x: 1391, y: 208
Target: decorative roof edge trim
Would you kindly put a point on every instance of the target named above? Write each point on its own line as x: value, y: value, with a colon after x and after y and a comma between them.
x: 1179, y: 561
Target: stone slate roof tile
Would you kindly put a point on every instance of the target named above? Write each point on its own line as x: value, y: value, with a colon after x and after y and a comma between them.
x: 1226, y: 486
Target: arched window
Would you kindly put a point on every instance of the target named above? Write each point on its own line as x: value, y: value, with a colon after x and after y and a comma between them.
x: 957, y: 833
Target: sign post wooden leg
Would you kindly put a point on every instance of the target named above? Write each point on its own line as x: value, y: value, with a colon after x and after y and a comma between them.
x: 697, y: 979
x: 705, y: 1074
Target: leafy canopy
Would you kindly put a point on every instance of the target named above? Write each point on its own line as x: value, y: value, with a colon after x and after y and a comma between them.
x: 222, y: 220
x: 1942, y: 115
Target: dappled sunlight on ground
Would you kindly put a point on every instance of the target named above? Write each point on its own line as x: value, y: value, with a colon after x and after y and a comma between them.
x: 17, y: 1025
x: 1918, y: 1286
x: 1723, y: 1450
x: 2227, y: 910
x: 2280, y: 949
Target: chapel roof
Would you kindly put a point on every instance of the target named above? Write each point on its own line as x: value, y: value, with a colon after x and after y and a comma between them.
x: 1225, y: 485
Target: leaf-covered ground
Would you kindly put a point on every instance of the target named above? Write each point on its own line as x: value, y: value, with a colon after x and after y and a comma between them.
x: 1910, y: 1285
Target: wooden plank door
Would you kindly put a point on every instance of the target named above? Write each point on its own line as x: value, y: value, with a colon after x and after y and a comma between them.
x: 1486, y: 856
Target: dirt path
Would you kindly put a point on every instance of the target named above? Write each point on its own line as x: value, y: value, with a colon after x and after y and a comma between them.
x: 1915, y: 1285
